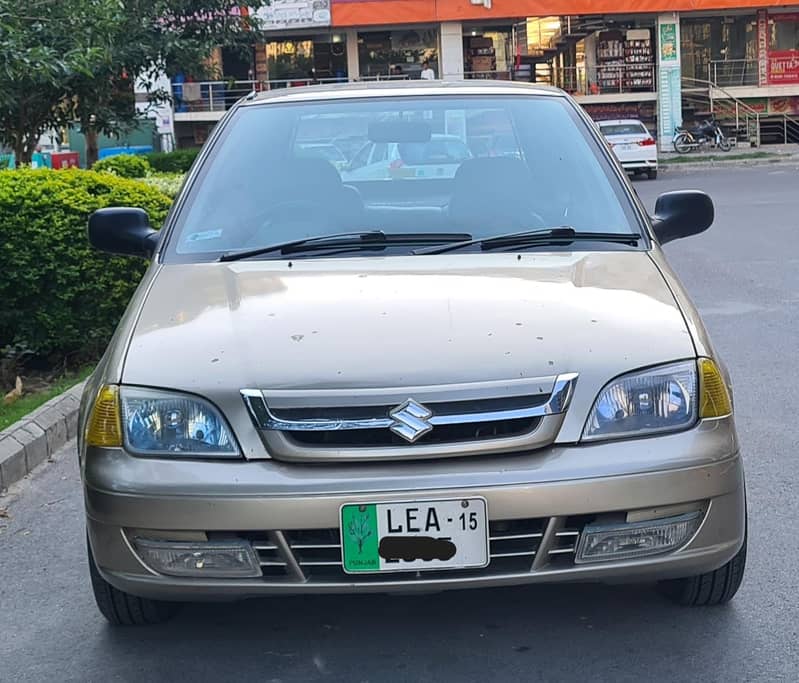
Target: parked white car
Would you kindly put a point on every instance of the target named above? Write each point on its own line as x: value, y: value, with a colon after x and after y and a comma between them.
x: 633, y: 145
x: 440, y: 157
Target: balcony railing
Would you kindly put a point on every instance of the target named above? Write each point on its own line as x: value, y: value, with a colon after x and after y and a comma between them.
x: 219, y: 96
x: 605, y: 79
x: 208, y: 96
x: 733, y: 72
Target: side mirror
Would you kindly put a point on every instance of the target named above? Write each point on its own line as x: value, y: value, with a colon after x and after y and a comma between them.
x: 682, y: 214
x: 124, y: 231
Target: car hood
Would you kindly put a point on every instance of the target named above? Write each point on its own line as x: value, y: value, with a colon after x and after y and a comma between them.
x: 404, y: 321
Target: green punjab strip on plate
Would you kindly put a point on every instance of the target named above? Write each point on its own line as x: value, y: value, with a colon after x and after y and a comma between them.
x: 359, y: 538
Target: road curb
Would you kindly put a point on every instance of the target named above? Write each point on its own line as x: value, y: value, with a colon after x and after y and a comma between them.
x: 737, y: 163
x: 28, y: 443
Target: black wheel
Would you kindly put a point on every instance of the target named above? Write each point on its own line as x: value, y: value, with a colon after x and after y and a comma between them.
x: 123, y: 609
x: 725, y: 145
x: 652, y: 174
x: 714, y: 588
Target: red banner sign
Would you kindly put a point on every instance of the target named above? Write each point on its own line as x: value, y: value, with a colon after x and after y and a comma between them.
x: 783, y: 67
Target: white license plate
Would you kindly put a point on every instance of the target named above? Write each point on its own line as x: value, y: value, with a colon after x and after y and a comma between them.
x: 414, y: 536
x: 625, y: 147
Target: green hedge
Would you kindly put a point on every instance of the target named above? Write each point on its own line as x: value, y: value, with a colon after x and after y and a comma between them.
x: 59, y: 296
x: 168, y: 183
x: 179, y: 161
x: 124, y: 165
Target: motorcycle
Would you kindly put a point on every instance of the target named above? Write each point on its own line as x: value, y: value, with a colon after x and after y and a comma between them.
x: 707, y: 134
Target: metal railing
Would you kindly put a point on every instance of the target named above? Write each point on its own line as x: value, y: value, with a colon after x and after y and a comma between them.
x: 746, y: 119
x: 756, y: 125
x: 733, y: 72
x: 209, y: 96
x: 218, y: 96
x: 605, y: 79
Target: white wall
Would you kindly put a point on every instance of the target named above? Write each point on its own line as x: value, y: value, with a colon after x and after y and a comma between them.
x: 450, y: 59
x: 353, y: 60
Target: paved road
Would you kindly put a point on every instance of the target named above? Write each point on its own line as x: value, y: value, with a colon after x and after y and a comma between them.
x: 743, y: 275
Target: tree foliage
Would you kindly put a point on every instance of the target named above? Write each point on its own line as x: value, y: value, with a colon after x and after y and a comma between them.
x: 66, y: 61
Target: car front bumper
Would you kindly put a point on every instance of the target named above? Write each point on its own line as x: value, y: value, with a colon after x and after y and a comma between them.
x: 561, y: 486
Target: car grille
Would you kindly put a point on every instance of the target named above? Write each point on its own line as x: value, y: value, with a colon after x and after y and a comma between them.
x: 474, y: 431
x: 473, y: 421
x: 314, y: 555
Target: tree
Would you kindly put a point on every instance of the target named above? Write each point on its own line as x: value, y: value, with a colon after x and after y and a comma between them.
x: 79, y: 59
x: 44, y: 45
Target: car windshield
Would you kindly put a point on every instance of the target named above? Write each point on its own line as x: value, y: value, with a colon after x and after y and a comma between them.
x: 465, y: 165
x: 624, y: 129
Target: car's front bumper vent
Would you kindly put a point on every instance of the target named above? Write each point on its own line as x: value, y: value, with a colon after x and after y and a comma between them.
x: 515, y: 546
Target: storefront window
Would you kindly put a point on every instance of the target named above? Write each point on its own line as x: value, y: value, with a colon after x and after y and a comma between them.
x: 720, y: 49
x: 399, y: 54
x: 784, y: 32
x: 319, y: 58
x: 488, y: 53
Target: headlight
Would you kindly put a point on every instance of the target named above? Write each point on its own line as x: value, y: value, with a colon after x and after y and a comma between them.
x: 160, y: 422
x: 662, y: 399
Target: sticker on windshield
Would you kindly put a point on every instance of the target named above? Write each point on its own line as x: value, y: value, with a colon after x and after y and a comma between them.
x: 205, y: 235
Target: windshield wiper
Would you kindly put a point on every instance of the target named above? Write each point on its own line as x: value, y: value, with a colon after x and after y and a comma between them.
x: 535, y: 237
x: 355, y: 240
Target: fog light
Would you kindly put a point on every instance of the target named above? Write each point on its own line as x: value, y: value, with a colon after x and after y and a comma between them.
x: 602, y: 543
x: 222, y: 559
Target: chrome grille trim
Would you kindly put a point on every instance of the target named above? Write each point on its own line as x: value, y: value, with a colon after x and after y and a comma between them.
x: 556, y: 404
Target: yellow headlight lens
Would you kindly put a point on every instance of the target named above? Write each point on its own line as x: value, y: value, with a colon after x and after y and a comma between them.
x: 714, y: 397
x: 104, y: 428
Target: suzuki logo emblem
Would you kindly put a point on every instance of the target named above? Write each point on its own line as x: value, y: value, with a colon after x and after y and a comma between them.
x: 411, y: 420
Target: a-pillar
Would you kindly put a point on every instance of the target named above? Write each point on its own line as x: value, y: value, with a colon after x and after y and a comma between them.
x: 450, y: 62
x: 669, y: 79
x: 353, y: 61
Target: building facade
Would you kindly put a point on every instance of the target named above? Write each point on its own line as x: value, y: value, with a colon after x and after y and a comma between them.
x: 633, y: 58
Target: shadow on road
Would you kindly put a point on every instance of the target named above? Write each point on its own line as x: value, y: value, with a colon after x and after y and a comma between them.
x: 560, y: 632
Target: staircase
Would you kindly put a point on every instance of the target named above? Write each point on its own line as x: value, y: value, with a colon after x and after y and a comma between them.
x: 703, y: 98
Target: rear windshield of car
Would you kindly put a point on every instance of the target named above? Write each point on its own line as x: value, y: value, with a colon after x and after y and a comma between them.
x: 476, y: 165
x: 327, y: 152
x: 436, y: 151
x: 624, y: 129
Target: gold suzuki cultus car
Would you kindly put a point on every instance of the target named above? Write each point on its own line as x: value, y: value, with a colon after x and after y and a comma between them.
x: 467, y: 366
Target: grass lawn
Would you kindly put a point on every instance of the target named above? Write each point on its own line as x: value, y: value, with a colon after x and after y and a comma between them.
x: 9, y: 414
x: 699, y: 158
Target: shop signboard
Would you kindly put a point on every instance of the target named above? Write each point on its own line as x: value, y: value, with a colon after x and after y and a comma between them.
x: 762, y: 47
x: 783, y: 67
x: 288, y: 14
x: 784, y: 105
x: 668, y: 42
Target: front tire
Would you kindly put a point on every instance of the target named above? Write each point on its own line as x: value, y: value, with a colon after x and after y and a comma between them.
x: 682, y: 144
x: 123, y: 609
x: 725, y: 145
x: 652, y: 175
x: 714, y: 588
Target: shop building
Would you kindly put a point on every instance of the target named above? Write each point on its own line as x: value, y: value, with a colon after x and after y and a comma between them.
x: 639, y: 58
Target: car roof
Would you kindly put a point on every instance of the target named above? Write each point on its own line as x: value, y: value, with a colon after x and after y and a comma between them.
x: 344, y: 91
